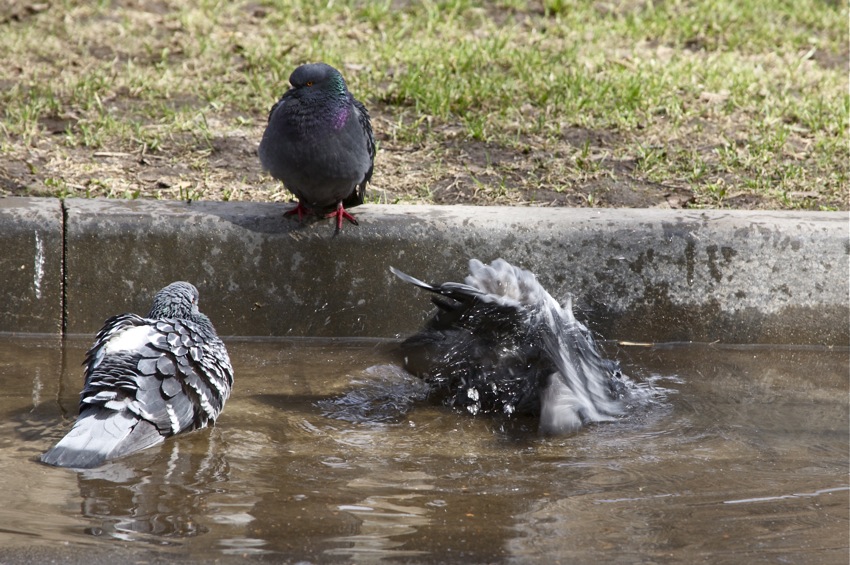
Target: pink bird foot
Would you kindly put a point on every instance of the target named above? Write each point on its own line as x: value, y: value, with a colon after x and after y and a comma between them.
x: 340, y: 213
x: 299, y: 209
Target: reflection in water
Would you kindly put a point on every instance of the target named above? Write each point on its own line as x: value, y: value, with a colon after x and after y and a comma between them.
x: 386, y: 519
x: 161, y: 495
x: 743, y: 453
x: 713, y: 478
x: 191, y: 486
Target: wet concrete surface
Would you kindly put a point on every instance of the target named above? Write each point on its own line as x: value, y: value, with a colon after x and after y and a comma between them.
x: 639, y: 275
x: 730, y: 454
x: 31, y: 249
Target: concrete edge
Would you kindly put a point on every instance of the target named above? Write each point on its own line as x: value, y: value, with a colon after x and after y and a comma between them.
x: 635, y: 274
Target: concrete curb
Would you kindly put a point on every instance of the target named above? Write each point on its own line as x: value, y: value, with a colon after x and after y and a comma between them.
x: 636, y: 274
x: 31, y: 249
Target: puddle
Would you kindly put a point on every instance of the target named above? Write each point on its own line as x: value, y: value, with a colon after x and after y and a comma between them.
x: 741, y: 456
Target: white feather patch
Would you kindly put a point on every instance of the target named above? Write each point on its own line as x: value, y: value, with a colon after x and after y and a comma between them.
x: 172, y: 415
x: 204, y: 402
x: 130, y: 339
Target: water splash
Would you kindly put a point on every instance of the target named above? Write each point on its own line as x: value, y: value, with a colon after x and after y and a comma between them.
x: 382, y: 393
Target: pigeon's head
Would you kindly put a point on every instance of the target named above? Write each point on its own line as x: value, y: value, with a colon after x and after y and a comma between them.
x: 317, y: 78
x: 177, y: 300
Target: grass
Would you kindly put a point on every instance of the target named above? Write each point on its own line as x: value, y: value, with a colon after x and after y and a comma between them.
x: 681, y: 104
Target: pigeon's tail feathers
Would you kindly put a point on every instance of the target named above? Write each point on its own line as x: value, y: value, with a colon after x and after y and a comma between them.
x: 99, y: 434
x: 357, y: 197
x: 143, y: 436
x: 413, y: 280
x: 458, y: 291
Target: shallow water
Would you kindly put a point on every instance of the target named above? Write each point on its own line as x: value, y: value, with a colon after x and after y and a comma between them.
x: 738, y: 455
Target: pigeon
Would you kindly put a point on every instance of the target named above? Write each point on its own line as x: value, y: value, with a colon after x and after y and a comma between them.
x: 501, y: 344
x: 319, y: 142
x: 147, y: 379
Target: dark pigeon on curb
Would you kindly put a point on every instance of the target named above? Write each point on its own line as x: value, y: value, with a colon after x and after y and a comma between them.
x: 319, y: 143
x: 501, y: 344
x: 147, y: 379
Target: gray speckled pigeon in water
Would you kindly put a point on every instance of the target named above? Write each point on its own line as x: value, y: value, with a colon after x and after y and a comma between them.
x: 319, y: 143
x: 147, y: 379
x: 500, y: 343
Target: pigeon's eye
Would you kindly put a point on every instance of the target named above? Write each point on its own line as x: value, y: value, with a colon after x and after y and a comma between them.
x: 309, y: 83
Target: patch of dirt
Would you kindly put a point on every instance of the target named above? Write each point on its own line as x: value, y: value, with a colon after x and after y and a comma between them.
x: 474, y: 172
x: 455, y: 172
x: 583, y: 168
x: 832, y: 60
x: 237, y: 153
x: 20, y: 10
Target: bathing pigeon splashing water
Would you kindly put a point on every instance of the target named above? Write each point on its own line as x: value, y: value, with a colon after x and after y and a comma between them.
x: 319, y: 142
x: 501, y: 344
x: 147, y: 379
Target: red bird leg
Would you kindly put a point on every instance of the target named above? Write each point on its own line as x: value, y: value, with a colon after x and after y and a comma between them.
x: 339, y: 214
x: 299, y: 209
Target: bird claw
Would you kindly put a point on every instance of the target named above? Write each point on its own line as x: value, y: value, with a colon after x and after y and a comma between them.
x: 340, y: 213
x: 300, y: 210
